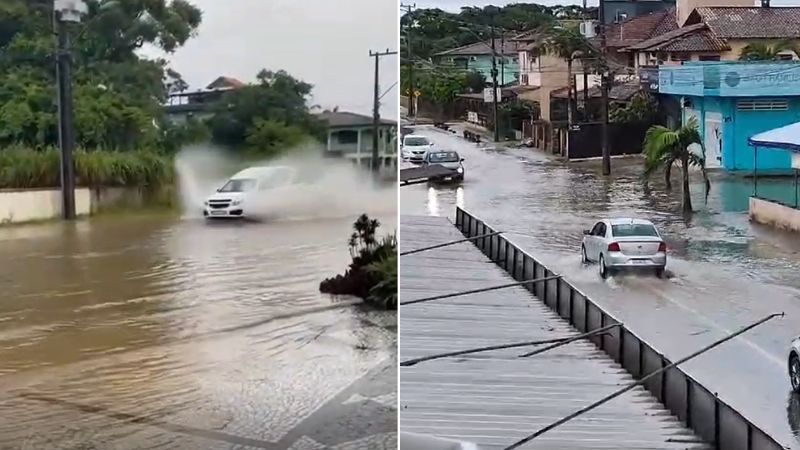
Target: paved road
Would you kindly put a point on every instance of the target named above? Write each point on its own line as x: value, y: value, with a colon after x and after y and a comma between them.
x: 724, y: 272
x: 155, y: 332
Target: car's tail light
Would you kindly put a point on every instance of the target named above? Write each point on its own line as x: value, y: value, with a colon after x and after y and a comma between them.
x: 662, y: 247
x: 613, y: 247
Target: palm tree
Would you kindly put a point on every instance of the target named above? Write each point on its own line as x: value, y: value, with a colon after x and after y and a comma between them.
x: 664, y: 147
x: 567, y: 43
x: 758, y: 51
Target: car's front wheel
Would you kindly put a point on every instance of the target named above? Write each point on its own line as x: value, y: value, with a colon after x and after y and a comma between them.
x: 794, y: 372
x: 604, y: 271
x: 660, y: 272
x: 584, y: 258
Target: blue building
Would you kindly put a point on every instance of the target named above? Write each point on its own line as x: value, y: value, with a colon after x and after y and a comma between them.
x: 733, y: 101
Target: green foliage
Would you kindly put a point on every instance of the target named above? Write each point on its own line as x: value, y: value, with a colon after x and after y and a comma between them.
x: 443, y: 86
x: 759, y: 51
x: 475, y: 81
x: 434, y: 30
x: 373, y: 272
x: 26, y: 168
x: 641, y: 109
x: 663, y: 148
x: 117, y: 93
x: 385, y: 291
x: 256, y: 115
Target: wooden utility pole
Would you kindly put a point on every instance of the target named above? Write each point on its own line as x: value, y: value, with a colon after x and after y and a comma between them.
x: 412, y: 98
x: 376, y: 108
x: 586, y: 19
x: 604, y: 81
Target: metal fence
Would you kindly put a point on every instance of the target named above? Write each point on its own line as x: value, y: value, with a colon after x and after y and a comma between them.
x: 702, y: 411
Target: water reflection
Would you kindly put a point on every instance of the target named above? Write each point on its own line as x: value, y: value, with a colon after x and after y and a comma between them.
x: 433, y: 201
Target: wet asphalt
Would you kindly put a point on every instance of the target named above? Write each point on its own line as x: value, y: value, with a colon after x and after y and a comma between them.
x: 723, y: 271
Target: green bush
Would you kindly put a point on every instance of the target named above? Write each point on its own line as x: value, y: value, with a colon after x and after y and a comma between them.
x: 26, y: 168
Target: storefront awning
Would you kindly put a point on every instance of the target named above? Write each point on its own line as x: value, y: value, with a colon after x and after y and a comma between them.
x: 785, y: 138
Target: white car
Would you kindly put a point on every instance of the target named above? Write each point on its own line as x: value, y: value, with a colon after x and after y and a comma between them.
x: 617, y: 244
x: 794, y: 365
x: 247, y: 187
x: 415, y: 147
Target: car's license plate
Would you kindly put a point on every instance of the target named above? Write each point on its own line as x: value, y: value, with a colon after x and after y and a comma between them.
x: 218, y: 213
x: 640, y: 262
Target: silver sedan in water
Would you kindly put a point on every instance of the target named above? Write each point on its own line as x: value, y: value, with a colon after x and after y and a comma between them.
x: 624, y: 244
x: 794, y: 365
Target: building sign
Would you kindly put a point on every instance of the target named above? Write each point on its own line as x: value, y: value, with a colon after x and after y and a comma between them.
x: 648, y: 79
x: 487, y: 95
x: 731, y: 79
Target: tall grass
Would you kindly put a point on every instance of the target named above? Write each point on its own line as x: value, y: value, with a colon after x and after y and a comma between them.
x: 26, y: 168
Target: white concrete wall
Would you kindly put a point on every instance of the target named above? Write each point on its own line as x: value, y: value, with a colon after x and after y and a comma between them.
x: 774, y: 214
x: 38, y: 204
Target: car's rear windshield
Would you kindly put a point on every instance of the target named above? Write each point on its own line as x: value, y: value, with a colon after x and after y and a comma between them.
x: 239, y: 185
x: 444, y: 157
x: 633, y: 229
x: 416, y: 141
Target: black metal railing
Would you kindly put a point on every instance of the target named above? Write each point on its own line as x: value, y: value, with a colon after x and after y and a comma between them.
x: 701, y: 410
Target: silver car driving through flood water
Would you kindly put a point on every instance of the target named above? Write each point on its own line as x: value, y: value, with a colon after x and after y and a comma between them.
x: 616, y: 244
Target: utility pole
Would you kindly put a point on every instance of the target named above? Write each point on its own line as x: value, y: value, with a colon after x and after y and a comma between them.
x: 604, y: 89
x: 411, y: 97
x: 376, y: 108
x: 586, y: 20
x: 64, y: 13
x: 494, y: 84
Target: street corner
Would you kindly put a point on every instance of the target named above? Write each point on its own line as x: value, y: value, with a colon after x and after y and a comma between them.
x: 363, y: 416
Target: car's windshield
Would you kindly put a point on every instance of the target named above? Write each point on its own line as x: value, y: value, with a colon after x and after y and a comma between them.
x: 633, y: 229
x: 416, y: 141
x: 238, y: 185
x: 444, y: 157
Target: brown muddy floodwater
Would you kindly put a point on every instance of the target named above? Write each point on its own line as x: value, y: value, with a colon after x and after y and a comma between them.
x: 156, y: 332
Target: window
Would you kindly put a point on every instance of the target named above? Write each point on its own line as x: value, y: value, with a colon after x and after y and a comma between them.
x: 347, y: 137
x: 238, y: 185
x: 599, y: 229
x: 633, y: 229
x: 709, y: 57
x: 785, y: 57
x: 443, y: 157
x: 680, y: 57
x: 523, y: 79
x: 516, y: 60
x: 762, y: 105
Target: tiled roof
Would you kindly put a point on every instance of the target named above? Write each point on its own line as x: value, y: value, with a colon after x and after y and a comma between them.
x: 729, y: 22
x: 509, y: 47
x: 691, y: 38
x: 620, y: 92
x: 640, y: 28
x: 226, y: 83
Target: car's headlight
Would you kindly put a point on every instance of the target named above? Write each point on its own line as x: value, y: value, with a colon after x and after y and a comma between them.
x: 460, y: 170
x: 237, y: 202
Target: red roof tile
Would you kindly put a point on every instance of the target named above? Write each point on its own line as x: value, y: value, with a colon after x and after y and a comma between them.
x: 731, y: 22
x: 690, y: 38
x: 640, y: 28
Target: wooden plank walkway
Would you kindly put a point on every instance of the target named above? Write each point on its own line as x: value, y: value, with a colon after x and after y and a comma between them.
x: 495, y: 398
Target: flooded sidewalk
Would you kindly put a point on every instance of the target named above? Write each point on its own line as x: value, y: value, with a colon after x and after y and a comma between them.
x: 144, y: 332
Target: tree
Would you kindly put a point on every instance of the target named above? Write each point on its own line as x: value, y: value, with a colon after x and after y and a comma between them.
x: 641, y: 109
x: 277, y: 98
x: 759, y: 51
x: 270, y: 138
x: 476, y: 81
x: 664, y: 147
x: 118, y: 94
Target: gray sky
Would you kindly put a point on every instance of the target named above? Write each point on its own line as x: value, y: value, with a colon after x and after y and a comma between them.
x: 323, y: 42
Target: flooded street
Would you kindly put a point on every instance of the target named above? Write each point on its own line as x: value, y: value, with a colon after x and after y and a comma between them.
x: 724, y: 272
x: 143, y: 332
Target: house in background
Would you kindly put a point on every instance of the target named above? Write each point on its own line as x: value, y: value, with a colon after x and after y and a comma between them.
x: 732, y: 101
x: 719, y: 33
x: 618, y: 11
x: 198, y: 104
x: 350, y: 137
x: 632, y: 31
x: 478, y: 57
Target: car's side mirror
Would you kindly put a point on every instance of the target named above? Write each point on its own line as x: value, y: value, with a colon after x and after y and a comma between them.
x: 462, y: 159
x: 587, y: 232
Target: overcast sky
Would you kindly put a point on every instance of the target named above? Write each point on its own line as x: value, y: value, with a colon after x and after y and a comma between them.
x: 323, y: 42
